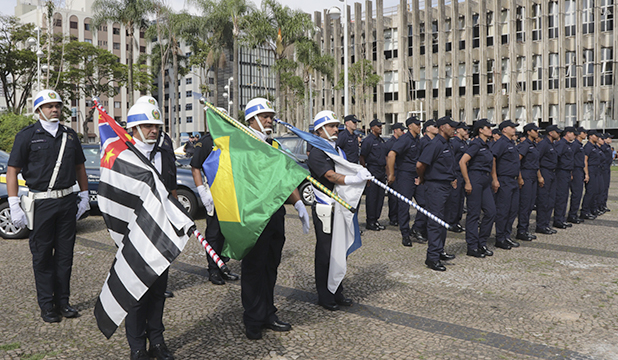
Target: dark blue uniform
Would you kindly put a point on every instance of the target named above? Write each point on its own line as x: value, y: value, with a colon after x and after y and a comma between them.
x: 529, y: 167
x: 407, y: 149
x: 507, y: 198
x: 440, y: 172
x: 481, y: 197
x: 420, y: 220
x: 349, y: 144
x: 52, y: 239
x: 548, y: 161
x: 454, y: 211
x: 373, y: 150
x: 563, y: 179
x: 593, y: 186
x: 393, y: 202
x: 606, y: 168
x: 577, y: 183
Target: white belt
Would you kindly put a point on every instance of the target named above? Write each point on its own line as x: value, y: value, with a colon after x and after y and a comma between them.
x: 53, y: 194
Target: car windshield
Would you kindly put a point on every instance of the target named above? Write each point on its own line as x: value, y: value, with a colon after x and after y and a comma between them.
x: 93, y: 160
x: 4, y: 156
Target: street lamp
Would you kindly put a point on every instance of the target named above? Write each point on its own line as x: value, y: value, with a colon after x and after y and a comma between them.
x: 227, y: 94
x: 32, y: 42
x: 334, y: 14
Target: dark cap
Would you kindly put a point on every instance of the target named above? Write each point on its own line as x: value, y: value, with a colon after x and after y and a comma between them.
x: 375, y: 122
x: 507, y: 123
x: 481, y: 123
x: 592, y: 132
x: 413, y: 120
x: 553, y: 128
x: 581, y: 129
x: 531, y: 126
x: 462, y: 125
x: 570, y: 129
x: 446, y: 120
x: 428, y: 123
x: 398, y: 126
x: 495, y: 131
x: 351, y: 118
x: 602, y: 135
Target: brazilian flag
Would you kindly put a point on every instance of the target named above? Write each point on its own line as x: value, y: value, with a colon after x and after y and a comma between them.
x: 249, y: 181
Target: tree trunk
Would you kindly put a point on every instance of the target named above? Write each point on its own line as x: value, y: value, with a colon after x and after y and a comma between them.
x: 306, y: 116
x: 175, y: 87
x: 235, y: 95
x: 277, y: 90
x: 130, y: 64
x: 216, y: 87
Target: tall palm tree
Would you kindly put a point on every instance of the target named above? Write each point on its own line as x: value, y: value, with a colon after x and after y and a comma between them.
x: 132, y: 14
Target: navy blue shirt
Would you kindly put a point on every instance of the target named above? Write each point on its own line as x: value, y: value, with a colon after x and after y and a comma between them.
x: 349, y: 144
x: 507, y: 157
x: 530, y: 155
x: 578, y: 154
x: 440, y: 160
x: 319, y: 163
x: 481, y: 156
x: 373, y: 150
x: 459, y: 148
x: 388, y: 145
x: 424, y: 141
x: 607, y: 156
x: 565, y: 155
x: 35, y: 151
x: 594, y: 154
x: 548, y: 158
x: 408, y: 150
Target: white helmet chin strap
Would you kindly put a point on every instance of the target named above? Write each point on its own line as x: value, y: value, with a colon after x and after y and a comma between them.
x: 141, y: 134
x: 333, y: 137
x: 267, y: 132
x: 52, y: 120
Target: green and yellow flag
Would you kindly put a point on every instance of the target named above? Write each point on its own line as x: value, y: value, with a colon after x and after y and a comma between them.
x: 249, y: 181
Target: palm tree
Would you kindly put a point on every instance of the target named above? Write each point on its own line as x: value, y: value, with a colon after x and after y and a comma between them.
x: 132, y: 14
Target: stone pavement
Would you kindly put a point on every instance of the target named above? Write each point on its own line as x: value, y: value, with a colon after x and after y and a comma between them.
x: 553, y: 298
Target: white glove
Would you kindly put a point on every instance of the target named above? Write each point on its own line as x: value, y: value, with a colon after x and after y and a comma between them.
x: 18, y: 217
x: 359, y: 178
x: 207, y: 200
x: 84, y: 204
x: 303, y: 215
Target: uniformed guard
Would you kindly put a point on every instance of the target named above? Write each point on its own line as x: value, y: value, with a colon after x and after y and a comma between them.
x: 347, y: 139
x: 436, y: 168
x: 564, y: 174
x: 531, y: 174
x: 548, y: 161
x: 509, y: 181
x: 580, y: 176
x: 322, y: 168
x: 593, y: 163
x: 50, y: 158
x: 393, y: 202
x: 373, y: 156
x: 259, y: 266
x: 606, y: 170
x: 477, y: 167
x: 401, y: 164
x: 419, y: 229
x: 454, y: 211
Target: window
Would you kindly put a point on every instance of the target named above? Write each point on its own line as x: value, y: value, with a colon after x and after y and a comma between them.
x: 606, y: 66
x: 391, y: 86
x: 553, y: 20
x: 435, y: 81
x: 116, y: 46
x: 605, y: 110
x: 422, y: 37
x: 537, y: 114
x: 506, y: 75
x: 553, y: 114
x: 87, y: 27
x: 142, y: 49
x: 537, y: 72
x: 89, y: 41
x: 607, y: 15
x: 390, y: 43
x: 449, y: 80
x: 189, y: 119
x: 521, y: 73
x: 588, y: 67
x: 569, y: 18
x: 475, y: 31
x: 189, y: 81
x: 490, y: 76
x: 447, y: 31
x: 211, y: 81
x: 476, y: 82
x: 588, y: 16
x: 462, y: 27
x: 520, y: 34
x: 410, y: 37
x: 116, y: 104
x: 434, y: 36
x: 570, y: 115
x: 536, y: 22
x: 553, y: 71
x: 570, y: 74
x: 73, y: 24
x: 189, y: 93
x: 490, y: 29
x: 588, y: 111
x: 505, y: 113
x: 491, y: 114
x: 462, y: 79
x: 504, y: 24
x: 58, y: 22
x: 520, y: 114
x: 116, y: 31
x: 420, y: 85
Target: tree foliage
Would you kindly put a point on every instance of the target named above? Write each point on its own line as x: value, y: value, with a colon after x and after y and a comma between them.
x: 10, y: 125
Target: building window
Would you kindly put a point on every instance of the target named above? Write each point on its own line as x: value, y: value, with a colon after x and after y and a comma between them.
x: 449, y: 36
x: 434, y: 36
x: 420, y: 85
x: 410, y: 37
x: 87, y: 27
x: 476, y: 30
x: 569, y: 18
x: 588, y: 67
x: 553, y: 71
x: 520, y: 115
x: 491, y: 114
x: 570, y: 75
x: 189, y: 119
x: 116, y: 104
x: 58, y: 22
x: 73, y: 24
x: 449, y: 80
x: 607, y: 57
x: 391, y: 86
x: 462, y: 28
x: 189, y: 81
x: 116, y: 46
x: 390, y: 43
x: 476, y: 79
x: 521, y: 73
x: 102, y: 42
x: 536, y: 22
x: 570, y: 116
x: 116, y: 31
x: 504, y: 24
x: 435, y: 81
x: 537, y: 72
x: 553, y: 20
x: 607, y: 15
x: 588, y: 16
x: 506, y: 75
x: 537, y: 114
x: 520, y: 34
x: 605, y: 110
x: 189, y: 93
x: 490, y: 76
x: 553, y: 114
x: 422, y: 37
x: 490, y: 28
x: 89, y: 41
x: 505, y: 113
x: 462, y: 79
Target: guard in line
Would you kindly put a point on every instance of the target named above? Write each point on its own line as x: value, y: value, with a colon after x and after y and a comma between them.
x: 373, y: 157
x: 259, y: 266
x: 50, y: 158
x: 564, y: 175
x: 580, y: 176
x: 509, y: 181
x: 436, y: 168
x: 548, y: 161
x: 419, y: 229
x: 348, y: 140
x: 322, y: 168
x: 393, y: 202
x: 401, y: 164
x: 607, y: 169
x: 454, y: 211
x: 477, y: 166
x: 531, y: 174
x: 593, y: 157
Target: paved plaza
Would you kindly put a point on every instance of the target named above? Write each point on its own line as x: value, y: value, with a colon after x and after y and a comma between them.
x: 552, y: 298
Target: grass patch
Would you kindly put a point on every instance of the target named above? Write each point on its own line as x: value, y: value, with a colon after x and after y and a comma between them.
x: 39, y: 356
x: 11, y: 346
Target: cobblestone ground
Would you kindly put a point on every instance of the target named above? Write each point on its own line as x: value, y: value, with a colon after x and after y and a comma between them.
x: 553, y: 298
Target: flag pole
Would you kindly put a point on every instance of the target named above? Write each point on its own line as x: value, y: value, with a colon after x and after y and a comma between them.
x: 211, y: 252
x: 313, y: 181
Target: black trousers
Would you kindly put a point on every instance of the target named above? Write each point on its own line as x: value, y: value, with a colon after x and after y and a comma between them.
x: 481, y: 198
x: 420, y: 220
x: 577, y: 189
x: 322, y: 263
x: 546, y: 198
x: 215, y: 238
x: 259, y: 273
x: 593, y: 187
x: 51, y: 244
x: 527, y: 197
x: 507, y: 204
x: 145, y: 319
x: 404, y: 183
x: 454, y: 210
x: 393, y: 207
x: 374, y: 199
x: 563, y: 185
x: 436, y: 204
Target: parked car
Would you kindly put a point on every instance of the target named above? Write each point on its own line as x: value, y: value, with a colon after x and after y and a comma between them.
x: 296, y: 148
x: 7, y: 229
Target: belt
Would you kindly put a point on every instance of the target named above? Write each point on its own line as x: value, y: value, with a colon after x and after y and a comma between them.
x: 53, y: 194
x: 552, y: 170
x: 509, y: 176
x: 479, y: 171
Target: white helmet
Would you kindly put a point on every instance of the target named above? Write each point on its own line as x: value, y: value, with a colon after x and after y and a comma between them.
x: 143, y: 113
x: 324, y: 117
x: 148, y: 99
x: 46, y: 97
x: 258, y: 106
